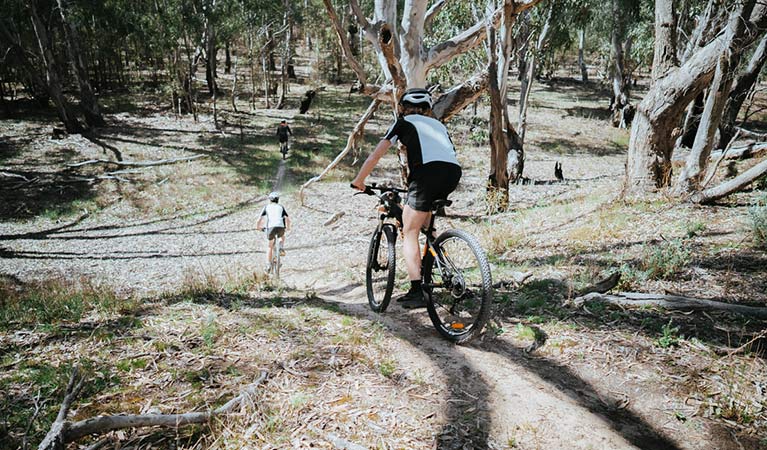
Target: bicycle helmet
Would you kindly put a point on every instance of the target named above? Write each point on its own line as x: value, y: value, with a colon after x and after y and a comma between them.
x: 416, y: 97
x: 274, y: 196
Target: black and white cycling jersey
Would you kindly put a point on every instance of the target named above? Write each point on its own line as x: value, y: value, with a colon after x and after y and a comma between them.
x: 425, y: 138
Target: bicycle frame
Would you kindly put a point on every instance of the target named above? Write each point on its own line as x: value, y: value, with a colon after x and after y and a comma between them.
x: 391, y: 207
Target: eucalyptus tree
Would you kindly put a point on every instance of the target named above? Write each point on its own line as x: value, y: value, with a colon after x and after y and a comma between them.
x: 405, y: 59
x: 710, y: 65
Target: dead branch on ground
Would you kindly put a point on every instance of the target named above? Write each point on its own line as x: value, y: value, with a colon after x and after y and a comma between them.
x: 670, y: 302
x: 601, y: 286
x: 159, y: 162
x: 63, y: 431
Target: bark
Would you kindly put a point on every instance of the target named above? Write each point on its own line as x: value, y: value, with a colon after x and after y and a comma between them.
x: 441, y: 53
x: 691, y: 121
x: 664, y: 57
x: 752, y: 150
x: 734, y: 185
x: 411, y: 58
x: 459, y: 97
x: 744, y: 83
x: 671, y: 302
x: 660, y: 112
x: 211, y: 50
x: 620, y: 85
x: 53, y: 83
x: 691, y: 176
x: 234, y: 86
x: 527, y: 82
x: 386, y: 43
x: 88, y: 101
x: 498, y: 189
x: 581, y: 60
x: 695, y: 166
x: 697, y: 40
x: 345, y: 46
x: 286, y: 55
x: 227, y: 59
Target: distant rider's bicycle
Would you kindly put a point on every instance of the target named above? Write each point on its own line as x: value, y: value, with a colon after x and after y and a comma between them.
x: 454, y: 270
x: 284, y: 149
x: 275, y: 263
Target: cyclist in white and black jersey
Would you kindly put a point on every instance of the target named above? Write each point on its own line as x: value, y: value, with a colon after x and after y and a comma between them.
x: 274, y: 218
x: 433, y: 173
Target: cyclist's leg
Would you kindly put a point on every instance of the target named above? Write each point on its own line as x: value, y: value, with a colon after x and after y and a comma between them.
x: 281, y: 235
x: 270, y: 252
x: 413, y: 221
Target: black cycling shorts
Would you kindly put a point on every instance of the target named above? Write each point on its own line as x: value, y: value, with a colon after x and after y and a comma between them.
x: 432, y: 181
x: 274, y: 232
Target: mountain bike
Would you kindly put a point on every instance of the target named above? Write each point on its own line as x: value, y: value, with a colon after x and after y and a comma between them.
x: 274, y: 265
x: 454, y: 270
x: 284, y: 149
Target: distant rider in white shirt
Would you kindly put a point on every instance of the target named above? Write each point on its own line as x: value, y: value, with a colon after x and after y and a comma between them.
x: 275, y: 219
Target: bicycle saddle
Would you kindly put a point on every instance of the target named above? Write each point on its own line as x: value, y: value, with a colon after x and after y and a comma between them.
x: 441, y: 203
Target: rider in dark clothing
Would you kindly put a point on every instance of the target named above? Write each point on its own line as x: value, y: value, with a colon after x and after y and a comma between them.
x: 283, y: 130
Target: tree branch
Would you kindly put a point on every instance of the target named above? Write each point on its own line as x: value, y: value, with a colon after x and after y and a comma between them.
x: 386, y: 42
x: 670, y: 302
x: 160, y: 162
x: 351, y: 142
x: 347, y: 49
x: 432, y: 12
x: 470, y: 38
x: 744, y: 179
x: 359, y: 15
x: 458, y: 97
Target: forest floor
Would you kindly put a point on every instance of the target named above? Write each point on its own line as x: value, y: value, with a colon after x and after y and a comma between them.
x: 152, y: 280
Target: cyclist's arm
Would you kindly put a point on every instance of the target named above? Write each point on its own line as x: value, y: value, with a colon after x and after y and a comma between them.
x: 287, y: 223
x: 370, y: 163
x: 260, y: 223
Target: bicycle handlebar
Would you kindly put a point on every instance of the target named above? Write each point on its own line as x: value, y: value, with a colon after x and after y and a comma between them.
x: 371, y: 190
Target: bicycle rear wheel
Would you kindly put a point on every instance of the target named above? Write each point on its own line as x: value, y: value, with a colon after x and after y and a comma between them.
x: 276, y: 259
x: 381, y: 265
x: 459, y: 286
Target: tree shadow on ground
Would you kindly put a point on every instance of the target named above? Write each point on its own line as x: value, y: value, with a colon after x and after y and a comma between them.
x: 65, y: 231
x: 542, y: 300
x: 51, y: 193
x: 546, y: 297
x: 563, y: 146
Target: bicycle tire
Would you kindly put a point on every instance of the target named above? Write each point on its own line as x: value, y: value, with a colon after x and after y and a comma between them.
x: 276, y: 258
x: 381, y: 268
x: 459, y: 307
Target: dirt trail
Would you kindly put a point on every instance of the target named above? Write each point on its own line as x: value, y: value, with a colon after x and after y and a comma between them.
x: 492, y: 394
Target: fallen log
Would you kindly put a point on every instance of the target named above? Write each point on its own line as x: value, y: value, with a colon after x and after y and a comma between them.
x: 159, y: 162
x: 63, y: 431
x: 670, y: 302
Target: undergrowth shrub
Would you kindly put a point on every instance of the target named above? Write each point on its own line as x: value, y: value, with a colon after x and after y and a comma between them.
x: 758, y: 213
x: 666, y: 259
x: 52, y: 301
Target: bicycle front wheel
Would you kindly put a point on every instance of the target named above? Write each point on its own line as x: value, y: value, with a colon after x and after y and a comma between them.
x: 459, y: 286
x: 381, y: 265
